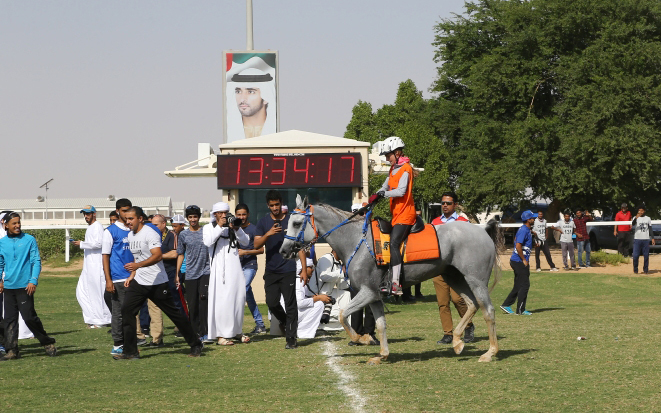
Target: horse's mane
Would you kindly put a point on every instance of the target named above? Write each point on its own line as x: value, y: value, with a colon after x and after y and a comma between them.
x: 342, y: 214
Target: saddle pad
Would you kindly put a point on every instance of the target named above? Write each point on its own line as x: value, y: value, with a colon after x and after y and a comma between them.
x: 420, y: 246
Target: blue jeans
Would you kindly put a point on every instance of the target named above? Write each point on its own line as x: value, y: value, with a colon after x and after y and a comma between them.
x: 641, y: 246
x: 583, y: 244
x: 249, y: 273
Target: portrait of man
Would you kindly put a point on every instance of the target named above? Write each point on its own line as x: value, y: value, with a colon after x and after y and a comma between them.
x: 250, y: 91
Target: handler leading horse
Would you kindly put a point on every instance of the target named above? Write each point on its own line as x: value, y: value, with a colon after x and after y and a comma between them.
x: 467, y: 257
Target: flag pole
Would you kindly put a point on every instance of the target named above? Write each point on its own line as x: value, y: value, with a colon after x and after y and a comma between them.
x: 249, y: 42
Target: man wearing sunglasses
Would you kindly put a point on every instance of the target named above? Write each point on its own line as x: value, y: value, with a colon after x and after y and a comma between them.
x: 443, y: 291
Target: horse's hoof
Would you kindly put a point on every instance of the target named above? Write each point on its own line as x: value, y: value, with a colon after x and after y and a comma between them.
x: 374, y: 361
x: 458, y: 347
x: 485, y: 358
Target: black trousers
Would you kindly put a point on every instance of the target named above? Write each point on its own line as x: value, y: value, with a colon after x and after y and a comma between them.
x: 172, y: 275
x: 107, y: 297
x: 544, y: 247
x: 623, y: 243
x: 15, y: 301
x: 197, y: 293
x: 521, y: 287
x: 160, y: 295
x: 397, y: 236
x: 275, y: 285
x: 360, y: 325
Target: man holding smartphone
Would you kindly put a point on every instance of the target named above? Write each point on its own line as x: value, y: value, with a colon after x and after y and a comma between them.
x: 280, y: 273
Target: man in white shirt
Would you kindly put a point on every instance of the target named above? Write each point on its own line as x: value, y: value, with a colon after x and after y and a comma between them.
x: 566, y: 229
x: 92, y: 281
x: 148, y: 280
x: 540, y: 230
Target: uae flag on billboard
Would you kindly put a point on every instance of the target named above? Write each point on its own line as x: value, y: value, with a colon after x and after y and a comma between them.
x: 250, y: 89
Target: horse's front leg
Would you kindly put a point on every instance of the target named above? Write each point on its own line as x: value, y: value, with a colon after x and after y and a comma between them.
x: 358, y: 302
x: 380, y: 317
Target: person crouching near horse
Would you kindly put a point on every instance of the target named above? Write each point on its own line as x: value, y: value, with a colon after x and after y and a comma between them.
x: 399, y: 188
x: 310, y: 305
x: 521, y: 266
x: 21, y: 263
x: 227, y: 285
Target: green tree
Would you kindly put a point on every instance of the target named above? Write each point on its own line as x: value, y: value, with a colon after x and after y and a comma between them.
x: 552, y: 98
x: 411, y: 118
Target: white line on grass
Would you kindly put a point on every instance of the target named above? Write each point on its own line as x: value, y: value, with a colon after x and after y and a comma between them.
x: 346, y: 381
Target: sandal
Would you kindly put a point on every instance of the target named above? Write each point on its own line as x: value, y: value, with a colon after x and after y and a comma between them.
x: 224, y: 342
x: 245, y: 339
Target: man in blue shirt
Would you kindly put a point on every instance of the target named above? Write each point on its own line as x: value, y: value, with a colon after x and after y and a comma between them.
x: 280, y: 273
x: 116, y: 253
x: 21, y: 263
x: 248, y: 257
x: 521, y: 267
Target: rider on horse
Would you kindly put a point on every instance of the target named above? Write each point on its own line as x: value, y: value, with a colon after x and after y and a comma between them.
x: 399, y: 188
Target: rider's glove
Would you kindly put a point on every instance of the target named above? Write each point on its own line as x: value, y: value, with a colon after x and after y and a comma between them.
x: 374, y: 198
x: 381, y: 193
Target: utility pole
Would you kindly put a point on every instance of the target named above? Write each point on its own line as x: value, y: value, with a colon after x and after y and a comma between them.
x: 249, y: 42
x: 46, y: 186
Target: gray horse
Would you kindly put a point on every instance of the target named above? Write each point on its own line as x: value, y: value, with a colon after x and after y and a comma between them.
x: 468, y: 256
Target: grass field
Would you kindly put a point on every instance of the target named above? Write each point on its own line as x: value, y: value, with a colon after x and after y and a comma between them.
x: 541, y: 366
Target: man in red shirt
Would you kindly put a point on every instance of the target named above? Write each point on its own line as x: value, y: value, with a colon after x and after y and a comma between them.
x: 622, y: 231
x: 443, y: 291
x: 582, y: 237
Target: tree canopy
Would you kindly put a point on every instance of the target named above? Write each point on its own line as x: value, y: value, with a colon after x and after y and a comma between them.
x: 553, y: 98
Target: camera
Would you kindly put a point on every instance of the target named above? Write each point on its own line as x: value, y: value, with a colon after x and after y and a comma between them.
x: 233, y: 221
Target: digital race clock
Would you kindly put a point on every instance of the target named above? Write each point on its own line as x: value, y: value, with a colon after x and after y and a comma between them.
x: 289, y: 170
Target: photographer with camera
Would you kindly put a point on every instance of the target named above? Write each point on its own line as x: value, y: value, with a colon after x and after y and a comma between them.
x: 227, y: 288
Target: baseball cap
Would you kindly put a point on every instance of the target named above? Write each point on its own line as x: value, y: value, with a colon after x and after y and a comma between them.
x: 87, y: 209
x: 527, y: 215
x: 178, y: 219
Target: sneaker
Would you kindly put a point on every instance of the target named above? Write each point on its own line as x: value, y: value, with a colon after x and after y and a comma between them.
x: 126, y: 357
x: 258, y: 330
x: 565, y: 268
x: 145, y: 331
x: 11, y: 355
x: 584, y: 266
x: 2, y: 349
x: 196, y: 351
x: 206, y: 340
x: 397, y: 289
x: 538, y: 270
x: 142, y: 341
x: 554, y: 269
x: 291, y: 344
x: 50, y: 350
x: 525, y: 312
x: 156, y: 345
x: 117, y: 351
x: 507, y: 309
x: 469, y: 333
x: 447, y: 339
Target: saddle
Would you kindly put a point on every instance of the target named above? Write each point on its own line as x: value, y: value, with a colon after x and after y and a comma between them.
x: 421, y: 244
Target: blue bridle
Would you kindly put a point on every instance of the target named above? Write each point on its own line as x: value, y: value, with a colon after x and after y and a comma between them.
x: 309, y: 218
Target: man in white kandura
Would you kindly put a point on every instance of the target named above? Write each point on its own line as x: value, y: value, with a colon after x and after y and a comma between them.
x: 227, y: 285
x: 92, y: 281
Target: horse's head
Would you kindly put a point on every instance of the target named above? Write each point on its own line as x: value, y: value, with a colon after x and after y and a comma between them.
x: 300, y: 230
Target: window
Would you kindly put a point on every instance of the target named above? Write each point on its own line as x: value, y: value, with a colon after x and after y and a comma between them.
x: 58, y: 214
x: 256, y: 199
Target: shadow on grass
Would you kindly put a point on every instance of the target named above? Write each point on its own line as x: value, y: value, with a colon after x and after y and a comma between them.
x: 59, y: 333
x: 37, y: 349
x: 466, y: 355
x: 403, y: 340
x: 541, y: 310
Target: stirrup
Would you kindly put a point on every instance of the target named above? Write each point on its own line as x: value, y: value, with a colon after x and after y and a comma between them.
x: 386, y: 287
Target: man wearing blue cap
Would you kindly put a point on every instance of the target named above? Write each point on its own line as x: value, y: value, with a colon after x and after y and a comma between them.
x: 92, y: 282
x: 521, y: 267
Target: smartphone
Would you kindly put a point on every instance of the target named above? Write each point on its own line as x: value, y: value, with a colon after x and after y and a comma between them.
x: 277, y: 223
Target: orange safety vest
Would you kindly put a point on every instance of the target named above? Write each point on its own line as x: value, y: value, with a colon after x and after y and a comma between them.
x: 402, y: 208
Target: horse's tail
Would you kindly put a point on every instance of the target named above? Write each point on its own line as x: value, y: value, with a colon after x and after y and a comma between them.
x: 495, y: 232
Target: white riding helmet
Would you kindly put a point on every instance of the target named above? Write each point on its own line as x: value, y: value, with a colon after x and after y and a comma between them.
x: 390, y: 144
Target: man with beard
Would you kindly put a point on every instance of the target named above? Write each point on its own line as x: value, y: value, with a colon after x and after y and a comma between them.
x: 92, y: 282
x: 254, y: 92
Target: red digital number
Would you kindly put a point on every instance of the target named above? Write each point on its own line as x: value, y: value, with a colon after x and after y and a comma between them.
x: 283, y: 171
x: 259, y: 171
x: 353, y: 160
x: 330, y: 168
x: 306, y: 170
x: 238, y: 172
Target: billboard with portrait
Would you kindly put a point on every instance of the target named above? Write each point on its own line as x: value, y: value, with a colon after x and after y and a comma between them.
x: 250, y: 94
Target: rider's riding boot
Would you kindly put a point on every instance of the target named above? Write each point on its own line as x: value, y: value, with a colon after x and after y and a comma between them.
x: 396, y: 286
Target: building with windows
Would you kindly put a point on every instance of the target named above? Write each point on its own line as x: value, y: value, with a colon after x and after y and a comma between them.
x: 66, y: 211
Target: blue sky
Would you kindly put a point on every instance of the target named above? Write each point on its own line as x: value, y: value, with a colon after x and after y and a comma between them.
x: 104, y: 96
